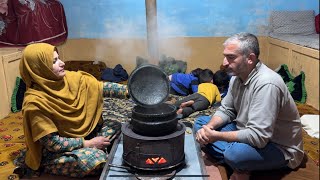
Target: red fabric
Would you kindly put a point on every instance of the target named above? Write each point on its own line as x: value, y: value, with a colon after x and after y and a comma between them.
x: 317, y: 21
x: 36, y: 21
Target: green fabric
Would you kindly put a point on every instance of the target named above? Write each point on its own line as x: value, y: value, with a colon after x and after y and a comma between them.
x: 170, y: 65
x: 296, y: 85
x: 284, y: 72
x: 18, y: 95
x: 297, y: 88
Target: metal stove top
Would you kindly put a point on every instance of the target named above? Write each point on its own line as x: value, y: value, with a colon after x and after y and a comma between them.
x: 193, y: 168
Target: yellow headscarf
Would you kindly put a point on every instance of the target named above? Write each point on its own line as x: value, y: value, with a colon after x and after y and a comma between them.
x: 71, y: 106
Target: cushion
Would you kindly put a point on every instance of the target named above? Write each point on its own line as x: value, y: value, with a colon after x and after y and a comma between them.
x: 292, y: 22
x: 117, y: 74
x: 170, y: 65
x: 18, y: 95
x: 284, y: 72
x: 297, y: 88
x: 295, y: 85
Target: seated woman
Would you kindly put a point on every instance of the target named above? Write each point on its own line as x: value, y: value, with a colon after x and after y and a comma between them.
x: 207, y: 94
x: 184, y: 84
x: 63, y: 128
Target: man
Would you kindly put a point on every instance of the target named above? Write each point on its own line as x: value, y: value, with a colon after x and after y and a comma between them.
x: 257, y: 126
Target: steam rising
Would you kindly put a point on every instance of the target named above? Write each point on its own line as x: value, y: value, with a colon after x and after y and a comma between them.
x: 127, y: 33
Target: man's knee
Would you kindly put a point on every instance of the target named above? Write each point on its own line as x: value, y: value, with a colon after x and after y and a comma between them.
x: 202, y: 120
x: 237, y: 156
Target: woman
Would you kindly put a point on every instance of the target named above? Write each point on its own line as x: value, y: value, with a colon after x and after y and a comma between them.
x: 62, y: 110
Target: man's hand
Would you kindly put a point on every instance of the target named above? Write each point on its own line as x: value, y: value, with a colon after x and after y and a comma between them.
x: 206, y: 135
x: 99, y: 142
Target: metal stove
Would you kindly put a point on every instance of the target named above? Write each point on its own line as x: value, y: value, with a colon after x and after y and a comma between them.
x: 192, y: 168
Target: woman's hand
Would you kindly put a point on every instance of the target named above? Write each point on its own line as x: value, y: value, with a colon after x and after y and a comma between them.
x: 99, y: 142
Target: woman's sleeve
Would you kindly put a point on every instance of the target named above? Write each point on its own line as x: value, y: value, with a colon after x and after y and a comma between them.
x: 111, y: 89
x: 55, y: 143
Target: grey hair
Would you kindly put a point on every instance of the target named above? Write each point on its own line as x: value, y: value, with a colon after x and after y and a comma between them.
x: 248, y: 43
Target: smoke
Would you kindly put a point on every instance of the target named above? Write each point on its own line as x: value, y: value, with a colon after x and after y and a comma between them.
x: 125, y: 34
x: 122, y: 37
x: 171, y: 35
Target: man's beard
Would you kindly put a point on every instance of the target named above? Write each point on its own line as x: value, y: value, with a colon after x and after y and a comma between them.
x: 229, y: 72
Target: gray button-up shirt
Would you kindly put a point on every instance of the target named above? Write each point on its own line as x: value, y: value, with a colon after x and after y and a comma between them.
x: 265, y: 112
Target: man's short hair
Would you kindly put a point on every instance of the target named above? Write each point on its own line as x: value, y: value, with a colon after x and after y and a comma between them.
x: 248, y: 43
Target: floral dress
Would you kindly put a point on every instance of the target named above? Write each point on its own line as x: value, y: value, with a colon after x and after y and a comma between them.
x: 67, y: 156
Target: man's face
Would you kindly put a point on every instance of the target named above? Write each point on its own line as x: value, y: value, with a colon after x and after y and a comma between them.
x: 234, y: 62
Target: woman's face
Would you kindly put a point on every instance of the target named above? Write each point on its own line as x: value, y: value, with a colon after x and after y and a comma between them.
x: 58, y: 66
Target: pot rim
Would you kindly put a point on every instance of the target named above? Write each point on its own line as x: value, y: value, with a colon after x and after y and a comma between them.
x: 144, y: 114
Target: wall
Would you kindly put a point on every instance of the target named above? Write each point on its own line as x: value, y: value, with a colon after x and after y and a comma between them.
x: 176, y: 18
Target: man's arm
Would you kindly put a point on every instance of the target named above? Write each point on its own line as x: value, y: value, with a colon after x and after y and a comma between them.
x: 215, y: 122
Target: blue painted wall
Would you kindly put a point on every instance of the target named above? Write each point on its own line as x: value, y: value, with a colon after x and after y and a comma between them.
x: 176, y: 18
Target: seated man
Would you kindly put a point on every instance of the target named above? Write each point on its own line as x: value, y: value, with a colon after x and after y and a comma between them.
x: 257, y: 126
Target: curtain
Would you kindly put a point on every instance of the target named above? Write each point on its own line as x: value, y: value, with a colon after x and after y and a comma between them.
x: 23, y: 22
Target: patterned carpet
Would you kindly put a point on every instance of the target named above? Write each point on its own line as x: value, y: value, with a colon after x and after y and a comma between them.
x: 12, y: 138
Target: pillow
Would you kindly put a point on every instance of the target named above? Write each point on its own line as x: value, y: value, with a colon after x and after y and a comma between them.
x: 284, y: 72
x: 170, y: 65
x: 297, y: 88
x: 18, y: 95
x: 117, y: 74
x: 292, y: 22
x: 295, y: 85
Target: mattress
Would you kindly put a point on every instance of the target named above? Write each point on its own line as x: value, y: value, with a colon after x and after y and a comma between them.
x: 310, y: 41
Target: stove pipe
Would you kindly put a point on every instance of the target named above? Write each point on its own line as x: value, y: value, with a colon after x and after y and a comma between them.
x: 152, y: 33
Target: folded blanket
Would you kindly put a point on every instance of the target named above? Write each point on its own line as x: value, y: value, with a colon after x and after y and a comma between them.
x: 310, y: 124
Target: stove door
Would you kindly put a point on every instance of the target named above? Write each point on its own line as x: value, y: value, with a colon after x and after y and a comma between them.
x: 153, y: 155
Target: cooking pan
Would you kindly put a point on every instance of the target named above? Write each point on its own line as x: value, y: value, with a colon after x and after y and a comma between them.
x: 148, y: 86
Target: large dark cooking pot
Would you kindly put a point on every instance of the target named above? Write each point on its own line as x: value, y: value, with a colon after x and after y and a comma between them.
x: 157, y: 121
x: 157, y: 113
x: 148, y: 85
